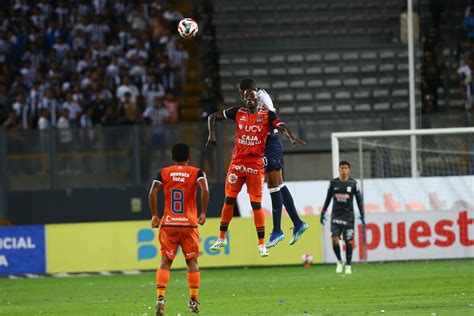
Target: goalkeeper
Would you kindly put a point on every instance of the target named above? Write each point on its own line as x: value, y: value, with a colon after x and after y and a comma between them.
x: 343, y: 189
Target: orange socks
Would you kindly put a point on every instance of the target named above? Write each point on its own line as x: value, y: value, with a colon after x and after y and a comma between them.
x: 226, y: 216
x: 259, y: 220
x: 162, y: 277
x: 194, y: 279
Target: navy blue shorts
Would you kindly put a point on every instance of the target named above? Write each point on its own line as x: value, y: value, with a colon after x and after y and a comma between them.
x: 273, y: 159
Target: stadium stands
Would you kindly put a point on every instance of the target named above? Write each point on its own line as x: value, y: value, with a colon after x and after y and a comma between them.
x: 322, y: 57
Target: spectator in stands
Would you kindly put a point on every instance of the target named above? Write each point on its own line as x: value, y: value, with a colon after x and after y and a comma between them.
x: 129, y: 109
x: 152, y: 89
x: 84, y: 47
x: 156, y: 115
x: 465, y: 81
x: 127, y: 87
x: 172, y: 105
x: 178, y: 59
x: 50, y: 103
x: 73, y: 108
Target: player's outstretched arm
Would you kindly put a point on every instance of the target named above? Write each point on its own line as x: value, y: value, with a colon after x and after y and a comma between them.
x: 326, y: 203
x: 282, y: 128
x: 211, y: 126
x: 204, y: 200
x: 360, y: 203
x: 153, y: 202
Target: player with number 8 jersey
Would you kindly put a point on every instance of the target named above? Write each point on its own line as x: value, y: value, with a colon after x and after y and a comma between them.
x: 179, y: 224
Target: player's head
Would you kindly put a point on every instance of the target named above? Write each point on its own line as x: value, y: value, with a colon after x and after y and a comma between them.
x: 250, y: 98
x: 246, y: 84
x: 180, y: 152
x: 344, y: 169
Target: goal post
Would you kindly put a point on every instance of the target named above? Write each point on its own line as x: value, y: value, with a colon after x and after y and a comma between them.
x: 380, y: 154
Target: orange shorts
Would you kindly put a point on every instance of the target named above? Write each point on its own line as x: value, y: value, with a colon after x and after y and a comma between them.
x: 172, y: 237
x: 252, y: 175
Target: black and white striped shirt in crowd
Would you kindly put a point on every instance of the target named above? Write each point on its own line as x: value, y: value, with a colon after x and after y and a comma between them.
x: 177, y: 57
x: 52, y: 106
x: 98, y: 32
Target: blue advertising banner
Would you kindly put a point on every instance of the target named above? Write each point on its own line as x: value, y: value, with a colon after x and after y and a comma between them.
x: 22, y: 250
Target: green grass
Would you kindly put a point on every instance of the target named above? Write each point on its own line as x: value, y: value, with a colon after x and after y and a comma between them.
x: 424, y: 288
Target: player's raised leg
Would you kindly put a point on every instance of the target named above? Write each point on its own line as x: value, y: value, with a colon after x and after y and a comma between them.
x: 299, y: 226
x: 226, y: 216
x: 273, y: 182
x: 259, y: 220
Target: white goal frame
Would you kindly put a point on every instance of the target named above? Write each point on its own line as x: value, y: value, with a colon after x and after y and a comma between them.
x: 335, y: 137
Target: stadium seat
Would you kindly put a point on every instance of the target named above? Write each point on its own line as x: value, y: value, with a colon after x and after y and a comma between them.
x: 278, y: 71
x: 314, y: 70
x: 362, y: 107
x: 260, y: 72
x: 333, y: 82
x: 315, y: 83
x: 304, y: 97
x: 313, y: 57
x: 343, y: 108
x: 295, y: 58
x: 295, y: 71
x: 323, y: 96
x: 350, y: 56
x: 351, y: 82
x: 332, y: 69
x: 285, y: 97
x: 297, y: 84
x: 277, y: 59
x: 280, y: 84
x: 383, y: 106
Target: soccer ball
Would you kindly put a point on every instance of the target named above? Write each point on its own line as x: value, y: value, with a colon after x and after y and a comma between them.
x: 307, y: 259
x: 187, y: 28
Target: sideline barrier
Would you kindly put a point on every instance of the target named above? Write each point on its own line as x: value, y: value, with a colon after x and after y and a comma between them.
x: 22, y: 250
x: 387, y: 195
x: 411, y: 236
x: 133, y: 245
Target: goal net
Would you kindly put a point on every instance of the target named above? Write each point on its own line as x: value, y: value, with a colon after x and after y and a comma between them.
x: 416, y: 184
x: 406, y: 153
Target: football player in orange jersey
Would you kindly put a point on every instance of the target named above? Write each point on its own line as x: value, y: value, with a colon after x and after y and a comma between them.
x: 179, y: 224
x: 252, y: 126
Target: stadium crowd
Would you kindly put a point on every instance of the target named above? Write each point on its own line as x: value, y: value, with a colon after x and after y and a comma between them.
x: 84, y: 63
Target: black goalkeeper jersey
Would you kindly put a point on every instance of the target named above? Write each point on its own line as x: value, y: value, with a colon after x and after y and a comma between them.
x: 343, y: 193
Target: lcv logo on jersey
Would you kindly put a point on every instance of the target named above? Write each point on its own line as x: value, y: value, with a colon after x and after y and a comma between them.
x: 148, y: 247
x: 251, y: 128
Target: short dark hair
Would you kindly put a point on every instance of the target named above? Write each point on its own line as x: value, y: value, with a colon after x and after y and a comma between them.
x: 180, y: 152
x: 246, y: 84
x: 344, y: 163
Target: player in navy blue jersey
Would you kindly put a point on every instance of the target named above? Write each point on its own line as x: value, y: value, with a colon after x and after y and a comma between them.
x: 342, y: 190
x: 279, y: 193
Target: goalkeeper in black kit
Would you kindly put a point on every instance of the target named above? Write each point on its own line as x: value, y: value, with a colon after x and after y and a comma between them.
x: 343, y: 190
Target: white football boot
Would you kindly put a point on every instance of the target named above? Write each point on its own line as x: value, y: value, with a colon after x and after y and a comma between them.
x: 339, y: 267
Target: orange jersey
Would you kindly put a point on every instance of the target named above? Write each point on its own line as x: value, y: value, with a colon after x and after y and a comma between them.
x: 179, y: 187
x: 251, y: 132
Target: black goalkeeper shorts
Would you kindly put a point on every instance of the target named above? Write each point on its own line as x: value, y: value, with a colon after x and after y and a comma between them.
x: 346, y: 229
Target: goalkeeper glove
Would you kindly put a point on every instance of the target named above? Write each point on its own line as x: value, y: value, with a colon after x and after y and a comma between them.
x: 323, y: 219
x: 362, y: 219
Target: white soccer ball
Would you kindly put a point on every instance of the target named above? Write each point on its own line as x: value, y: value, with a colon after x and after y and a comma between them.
x: 187, y: 28
x: 307, y: 259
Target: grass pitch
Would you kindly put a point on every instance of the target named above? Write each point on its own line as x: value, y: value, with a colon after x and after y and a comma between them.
x: 424, y: 288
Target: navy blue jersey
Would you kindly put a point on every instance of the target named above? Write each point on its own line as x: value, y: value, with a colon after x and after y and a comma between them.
x: 342, y: 193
